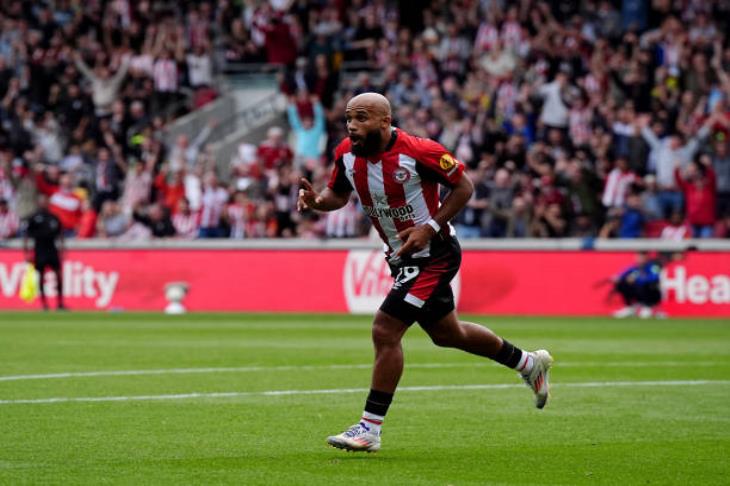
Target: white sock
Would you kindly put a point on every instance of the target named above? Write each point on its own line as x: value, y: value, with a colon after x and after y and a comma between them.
x: 524, y: 366
x: 372, y: 422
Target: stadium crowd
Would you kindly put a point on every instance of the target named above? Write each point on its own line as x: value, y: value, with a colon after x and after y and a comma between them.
x: 575, y: 119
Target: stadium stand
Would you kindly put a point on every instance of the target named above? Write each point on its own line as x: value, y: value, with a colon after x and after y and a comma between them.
x: 572, y: 117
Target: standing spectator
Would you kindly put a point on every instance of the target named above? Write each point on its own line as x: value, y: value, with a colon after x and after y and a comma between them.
x: 617, y: 184
x: 165, y: 75
x: 213, y: 202
x: 9, y: 223
x: 200, y: 67
x: 554, y: 112
x: 274, y: 152
x: 236, y: 215
x: 109, y: 175
x: 281, y: 47
x: 64, y: 203
x: 104, y: 86
x: 170, y: 188
x: 186, y: 221
x: 665, y: 153
x: 699, y: 188
x: 308, y: 132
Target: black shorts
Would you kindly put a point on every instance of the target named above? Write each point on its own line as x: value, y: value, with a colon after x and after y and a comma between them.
x: 421, y: 291
x: 43, y: 261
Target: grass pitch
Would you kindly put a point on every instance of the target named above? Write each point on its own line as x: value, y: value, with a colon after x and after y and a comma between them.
x: 149, y: 399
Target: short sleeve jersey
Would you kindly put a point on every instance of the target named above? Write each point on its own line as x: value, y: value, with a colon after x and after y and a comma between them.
x: 399, y: 187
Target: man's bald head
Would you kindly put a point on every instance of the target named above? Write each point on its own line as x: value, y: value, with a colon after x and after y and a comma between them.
x: 376, y: 102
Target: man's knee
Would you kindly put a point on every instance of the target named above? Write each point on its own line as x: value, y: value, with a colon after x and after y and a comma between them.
x: 387, y: 331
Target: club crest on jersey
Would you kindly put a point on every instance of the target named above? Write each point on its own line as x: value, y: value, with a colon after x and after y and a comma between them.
x: 401, y: 175
x: 447, y: 162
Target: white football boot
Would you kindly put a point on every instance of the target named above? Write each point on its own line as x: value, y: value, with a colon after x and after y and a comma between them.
x: 538, y: 378
x: 628, y: 311
x: 356, y: 438
x: 645, y: 312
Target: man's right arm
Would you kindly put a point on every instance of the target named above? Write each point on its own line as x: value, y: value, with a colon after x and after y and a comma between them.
x: 327, y: 200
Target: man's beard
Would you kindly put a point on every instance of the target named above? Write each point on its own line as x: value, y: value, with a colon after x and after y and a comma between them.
x: 370, y: 145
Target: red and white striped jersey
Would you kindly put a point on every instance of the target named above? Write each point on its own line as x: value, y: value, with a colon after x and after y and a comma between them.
x: 399, y: 187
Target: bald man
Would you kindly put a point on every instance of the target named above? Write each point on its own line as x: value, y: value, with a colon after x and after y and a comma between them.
x: 397, y: 178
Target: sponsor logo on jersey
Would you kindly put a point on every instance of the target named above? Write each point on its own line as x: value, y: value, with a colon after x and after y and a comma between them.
x: 367, y: 280
x: 447, y: 162
x: 401, y: 175
x: 402, y: 213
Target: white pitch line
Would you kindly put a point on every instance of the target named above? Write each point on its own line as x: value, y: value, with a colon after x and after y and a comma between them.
x: 249, y: 369
x: 334, y: 391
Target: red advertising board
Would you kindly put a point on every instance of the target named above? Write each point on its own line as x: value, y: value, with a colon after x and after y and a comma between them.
x: 490, y: 282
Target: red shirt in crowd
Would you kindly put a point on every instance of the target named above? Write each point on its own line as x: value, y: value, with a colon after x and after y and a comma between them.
x: 273, y: 156
x: 65, y: 205
x: 699, y: 197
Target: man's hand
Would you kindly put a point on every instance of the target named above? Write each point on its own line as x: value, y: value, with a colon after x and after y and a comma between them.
x: 416, y: 238
x: 308, y: 197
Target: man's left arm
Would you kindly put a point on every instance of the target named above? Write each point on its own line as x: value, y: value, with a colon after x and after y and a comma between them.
x: 417, y: 237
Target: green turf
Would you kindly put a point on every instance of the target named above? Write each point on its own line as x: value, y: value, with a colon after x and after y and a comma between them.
x: 623, y: 435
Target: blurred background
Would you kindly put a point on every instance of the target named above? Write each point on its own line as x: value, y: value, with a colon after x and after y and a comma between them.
x: 580, y: 122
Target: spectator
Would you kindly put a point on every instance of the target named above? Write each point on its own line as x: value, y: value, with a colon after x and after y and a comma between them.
x: 617, y: 184
x: 112, y: 222
x: 213, y: 202
x: 9, y: 223
x: 650, y: 199
x: 185, y: 221
x: 699, y: 188
x: 308, y: 132
x: 677, y: 229
x: 104, y: 87
x: 345, y: 223
x: 273, y: 152
x: 236, y: 215
x: 665, y: 153
x: 157, y: 219
x: 632, y: 218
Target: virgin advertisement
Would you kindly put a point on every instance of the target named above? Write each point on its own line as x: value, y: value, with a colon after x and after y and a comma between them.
x: 554, y: 283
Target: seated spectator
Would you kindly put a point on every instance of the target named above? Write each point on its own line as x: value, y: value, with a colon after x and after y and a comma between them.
x: 156, y: 218
x: 632, y: 218
x: 112, y: 221
x: 677, y: 229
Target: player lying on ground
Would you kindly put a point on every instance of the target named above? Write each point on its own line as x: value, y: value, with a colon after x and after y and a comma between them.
x: 397, y: 178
